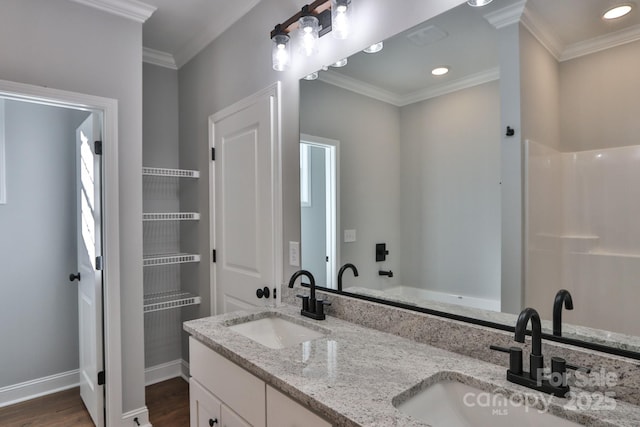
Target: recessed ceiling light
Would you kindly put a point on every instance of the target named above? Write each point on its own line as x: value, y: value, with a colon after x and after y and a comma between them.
x: 440, y: 71
x: 377, y: 47
x: 478, y: 3
x: 312, y: 76
x: 617, y: 11
x: 340, y: 63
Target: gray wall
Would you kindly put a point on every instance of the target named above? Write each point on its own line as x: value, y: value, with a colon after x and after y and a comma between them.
x: 38, y: 304
x: 369, y: 136
x: 68, y: 46
x: 238, y: 64
x: 450, y: 197
x: 607, y: 114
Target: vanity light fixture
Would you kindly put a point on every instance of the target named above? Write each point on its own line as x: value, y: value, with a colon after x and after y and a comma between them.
x: 440, y: 71
x: 312, y: 22
x: 281, y: 50
x: 478, y: 3
x: 374, y: 48
x: 341, y: 18
x: 340, y: 63
x: 617, y: 11
x: 308, y: 33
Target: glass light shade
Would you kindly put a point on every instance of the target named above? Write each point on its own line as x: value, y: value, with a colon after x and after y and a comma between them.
x: 340, y: 18
x: 478, y: 3
x: 340, y: 63
x: 374, y: 48
x: 617, y: 12
x: 308, y: 35
x: 281, y: 52
x: 312, y: 76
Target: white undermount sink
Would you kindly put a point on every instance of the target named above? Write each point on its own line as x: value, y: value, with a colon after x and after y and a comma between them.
x: 450, y: 403
x: 276, y: 332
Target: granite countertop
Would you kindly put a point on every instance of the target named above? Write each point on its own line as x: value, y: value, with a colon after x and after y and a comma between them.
x: 351, y: 374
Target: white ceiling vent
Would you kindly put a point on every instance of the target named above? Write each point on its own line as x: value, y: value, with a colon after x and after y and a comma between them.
x: 427, y: 35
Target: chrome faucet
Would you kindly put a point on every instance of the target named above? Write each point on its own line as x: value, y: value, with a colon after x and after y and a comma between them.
x: 342, y: 270
x: 563, y: 296
x: 310, y: 306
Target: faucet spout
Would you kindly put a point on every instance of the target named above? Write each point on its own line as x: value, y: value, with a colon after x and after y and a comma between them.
x: 563, y: 296
x: 342, y: 270
x: 312, y: 282
x: 536, y: 329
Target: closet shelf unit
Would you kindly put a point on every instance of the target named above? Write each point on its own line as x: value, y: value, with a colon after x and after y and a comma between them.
x: 175, y: 298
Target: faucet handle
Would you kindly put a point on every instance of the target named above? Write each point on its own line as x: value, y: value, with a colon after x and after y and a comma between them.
x: 320, y: 303
x: 305, y: 301
x: 578, y: 368
x: 515, y: 357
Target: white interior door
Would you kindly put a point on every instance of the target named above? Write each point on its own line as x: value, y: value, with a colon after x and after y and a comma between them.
x: 245, y: 224
x: 89, y: 269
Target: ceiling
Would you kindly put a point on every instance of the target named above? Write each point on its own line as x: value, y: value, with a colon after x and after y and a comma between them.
x: 179, y: 29
x: 466, y: 40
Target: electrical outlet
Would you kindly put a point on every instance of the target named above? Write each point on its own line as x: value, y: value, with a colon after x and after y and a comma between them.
x: 294, y: 254
x: 349, y: 236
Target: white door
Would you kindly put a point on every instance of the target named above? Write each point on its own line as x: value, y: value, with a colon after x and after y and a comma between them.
x: 90, y: 275
x: 246, y: 206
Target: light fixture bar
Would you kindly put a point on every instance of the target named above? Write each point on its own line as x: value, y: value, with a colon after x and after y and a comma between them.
x: 320, y: 8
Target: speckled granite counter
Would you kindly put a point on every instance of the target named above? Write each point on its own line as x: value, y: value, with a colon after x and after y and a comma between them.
x: 350, y: 375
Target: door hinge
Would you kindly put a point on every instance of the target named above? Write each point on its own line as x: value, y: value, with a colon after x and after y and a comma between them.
x: 213, y: 153
x: 99, y: 263
x: 213, y: 255
x: 101, y: 378
x: 98, y: 148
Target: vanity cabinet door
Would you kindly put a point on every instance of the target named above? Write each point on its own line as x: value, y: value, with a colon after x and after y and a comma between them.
x: 285, y: 412
x: 231, y: 419
x: 205, y: 409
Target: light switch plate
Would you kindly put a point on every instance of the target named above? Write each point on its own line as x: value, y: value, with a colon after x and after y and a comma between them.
x: 349, y: 236
x: 294, y: 254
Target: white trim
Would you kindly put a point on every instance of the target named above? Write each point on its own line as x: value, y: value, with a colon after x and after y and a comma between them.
x: 212, y: 32
x: 550, y: 41
x: 374, y: 92
x: 274, y: 93
x: 38, y: 387
x: 3, y: 163
x: 141, y: 414
x: 111, y: 223
x: 166, y: 371
x: 159, y: 58
x: 506, y: 16
x: 130, y: 9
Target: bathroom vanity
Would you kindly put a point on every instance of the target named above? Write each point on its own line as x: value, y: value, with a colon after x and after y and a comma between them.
x: 350, y: 375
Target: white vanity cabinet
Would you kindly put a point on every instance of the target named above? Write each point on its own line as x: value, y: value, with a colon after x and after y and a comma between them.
x: 222, y: 394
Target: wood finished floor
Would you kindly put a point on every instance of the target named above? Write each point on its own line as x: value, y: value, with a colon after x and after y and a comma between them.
x: 168, y: 404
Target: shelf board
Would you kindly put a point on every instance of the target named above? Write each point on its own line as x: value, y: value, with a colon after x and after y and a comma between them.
x: 171, y: 216
x: 169, y: 300
x: 175, y: 173
x: 165, y: 259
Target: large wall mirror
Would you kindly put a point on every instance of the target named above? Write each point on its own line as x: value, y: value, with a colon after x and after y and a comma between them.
x: 401, y: 169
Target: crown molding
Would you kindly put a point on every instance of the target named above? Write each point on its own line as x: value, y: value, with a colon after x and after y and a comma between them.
x: 543, y: 33
x: 159, y: 58
x: 371, y: 91
x: 130, y: 9
x: 454, y: 86
x: 507, y: 15
x: 360, y: 87
x: 596, y: 44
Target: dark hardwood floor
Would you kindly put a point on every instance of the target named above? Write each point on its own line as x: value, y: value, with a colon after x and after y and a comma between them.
x: 168, y: 404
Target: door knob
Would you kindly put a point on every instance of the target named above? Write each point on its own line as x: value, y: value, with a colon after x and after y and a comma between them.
x: 213, y: 421
x: 73, y: 277
x: 264, y: 292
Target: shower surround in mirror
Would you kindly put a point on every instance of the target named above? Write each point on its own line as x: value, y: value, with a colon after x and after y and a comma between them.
x: 583, y: 234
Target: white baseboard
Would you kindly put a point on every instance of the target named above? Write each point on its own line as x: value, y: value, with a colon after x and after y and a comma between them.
x: 39, y: 387
x: 166, y: 371
x: 137, y: 417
